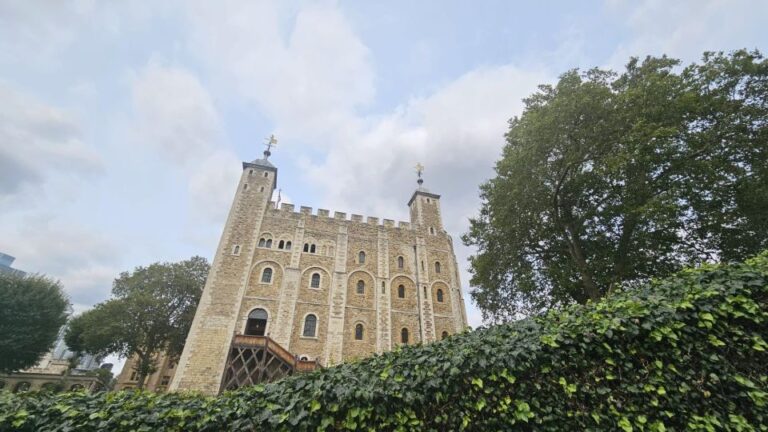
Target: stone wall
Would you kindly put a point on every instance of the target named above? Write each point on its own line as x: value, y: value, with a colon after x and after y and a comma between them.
x: 343, y: 252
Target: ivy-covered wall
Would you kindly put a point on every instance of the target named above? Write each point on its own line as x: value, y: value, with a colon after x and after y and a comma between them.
x: 685, y: 353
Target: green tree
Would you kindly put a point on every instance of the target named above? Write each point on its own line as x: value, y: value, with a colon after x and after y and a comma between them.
x: 150, y: 312
x: 32, y: 310
x: 610, y: 179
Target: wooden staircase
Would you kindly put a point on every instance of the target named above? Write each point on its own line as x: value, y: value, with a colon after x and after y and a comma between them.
x: 259, y: 359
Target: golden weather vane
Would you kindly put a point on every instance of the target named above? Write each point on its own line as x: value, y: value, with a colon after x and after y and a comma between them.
x: 419, y: 170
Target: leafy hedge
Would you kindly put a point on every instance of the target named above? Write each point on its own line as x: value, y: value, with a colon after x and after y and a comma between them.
x: 688, y: 352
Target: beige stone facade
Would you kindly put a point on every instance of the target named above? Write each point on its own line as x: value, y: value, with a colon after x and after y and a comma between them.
x: 366, y: 283
x: 158, y: 381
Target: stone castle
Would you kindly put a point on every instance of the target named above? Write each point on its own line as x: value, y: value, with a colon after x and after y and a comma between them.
x: 319, y: 288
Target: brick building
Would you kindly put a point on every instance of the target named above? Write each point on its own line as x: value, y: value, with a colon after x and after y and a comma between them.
x: 317, y: 287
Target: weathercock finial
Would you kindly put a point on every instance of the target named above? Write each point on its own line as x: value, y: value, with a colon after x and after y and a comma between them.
x: 271, y: 142
x: 419, y: 169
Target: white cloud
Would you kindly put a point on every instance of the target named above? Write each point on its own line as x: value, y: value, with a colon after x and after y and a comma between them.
x: 304, y: 69
x: 176, y: 117
x: 84, y: 260
x: 685, y: 29
x: 37, y: 142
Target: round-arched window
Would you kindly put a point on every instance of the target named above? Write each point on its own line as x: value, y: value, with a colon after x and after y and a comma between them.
x: 401, y: 291
x: 266, y: 275
x: 440, y: 295
x: 310, y: 326
x: 315, y: 281
x: 360, y: 287
x: 359, y: 332
x: 257, y: 323
x: 404, y: 336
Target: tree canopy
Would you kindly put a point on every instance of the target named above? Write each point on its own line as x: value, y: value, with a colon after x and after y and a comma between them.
x: 32, y: 310
x: 151, y: 310
x: 609, y: 179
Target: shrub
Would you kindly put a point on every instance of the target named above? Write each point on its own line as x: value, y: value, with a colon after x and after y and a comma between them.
x: 687, y: 352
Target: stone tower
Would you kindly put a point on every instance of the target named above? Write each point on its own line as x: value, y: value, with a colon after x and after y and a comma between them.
x: 318, y: 287
x: 208, y: 341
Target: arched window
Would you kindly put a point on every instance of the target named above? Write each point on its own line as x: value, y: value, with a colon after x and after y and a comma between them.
x: 312, y: 249
x: 269, y: 243
x: 281, y: 244
x: 22, y: 387
x: 315, y: 281
x: 266, y: 275
x: 236, y: 250
x: 431, y: 230
x: 250, y: 172
x: 306, y: 247
x: 288, y: 245
x: 359, y: 332
x: 245, y: 186
x: 400, y: 262
x: 444, y: 335
x: 261, y: 189
x: 266, y: 174
x: 361, y: 257
x: 437, y: 266
x: 262, y: 242
x: 310, y: 326
x: 440, y: 295
x: 401, y: 291
x: 360, y: 287
x: 404, y: 336
x: 257, y: 323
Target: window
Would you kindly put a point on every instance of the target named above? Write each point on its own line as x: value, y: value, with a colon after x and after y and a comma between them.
x: 281, y: 244
x: 306, y: 247
x: 400, y: 262
x: 236, y: 250
x: 444, y: 335
x: 312, y: 249
x: 257, y: 323
x: 361, y: 257
x: 437, y: 267
x: 383, y: 287
x: 310, y: 326
x: 440, y: 295
x: 262, y: 242
x: 261, y: 189
x: 266, y: 275
x: 269, y: 243
x: 422, y: 266
x: 266, y: 174
x: 360, y: 287
x: 288, y: 245
x: 359, y: 332
x: 425, y: 291
x: 133, y: 377
x: 315, y: 282
x: 431, y: 230
x: 401, y: 291
x: 166, y: 379
x: 250, y: 172
x: 245, y: 186
x: 404, y: 336
x: 428, y: 201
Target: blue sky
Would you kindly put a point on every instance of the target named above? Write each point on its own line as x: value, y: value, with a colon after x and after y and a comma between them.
x: 123, y: 124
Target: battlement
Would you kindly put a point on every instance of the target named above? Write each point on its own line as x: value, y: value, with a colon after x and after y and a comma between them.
x: 290, y: 211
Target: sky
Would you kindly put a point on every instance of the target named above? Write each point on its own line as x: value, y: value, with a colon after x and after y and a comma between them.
x: 123, y: 125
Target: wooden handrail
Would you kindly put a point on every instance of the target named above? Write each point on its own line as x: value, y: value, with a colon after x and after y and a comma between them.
x: 270, y: 345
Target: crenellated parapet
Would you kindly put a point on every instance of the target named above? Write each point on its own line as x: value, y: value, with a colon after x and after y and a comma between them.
x: 289, y: 211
